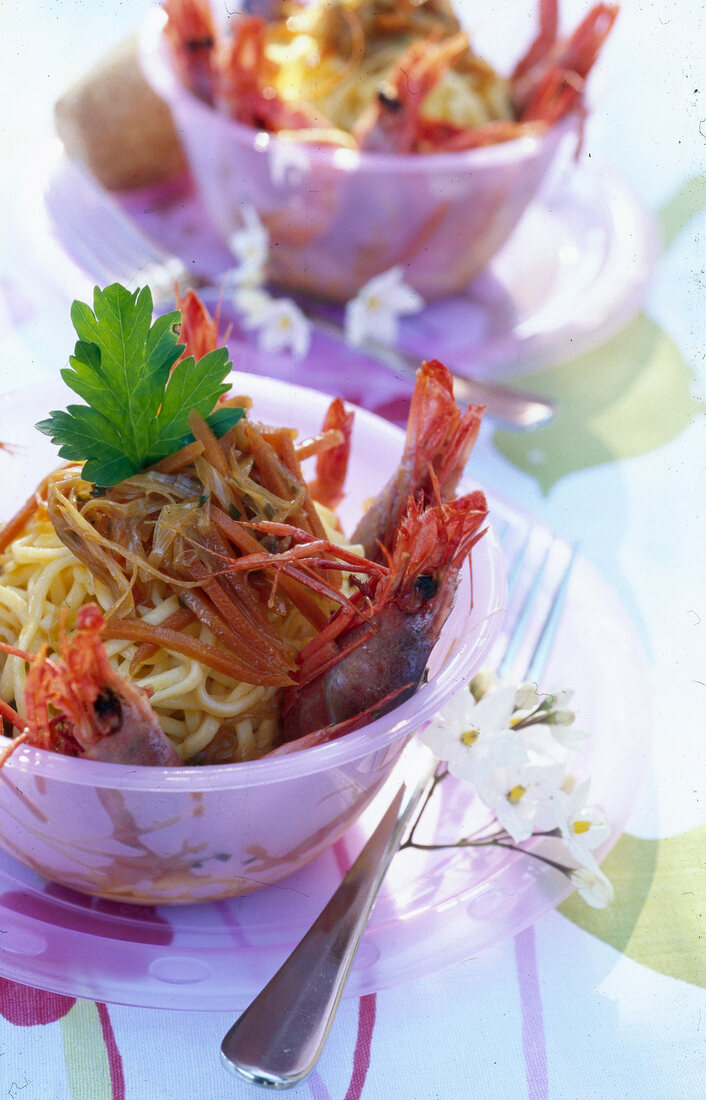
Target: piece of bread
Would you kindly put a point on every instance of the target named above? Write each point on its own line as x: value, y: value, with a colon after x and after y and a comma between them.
x: 114, y: 123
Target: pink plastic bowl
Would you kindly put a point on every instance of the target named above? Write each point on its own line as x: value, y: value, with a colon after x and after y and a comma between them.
x: 178, y: 835
x: 337, y: 217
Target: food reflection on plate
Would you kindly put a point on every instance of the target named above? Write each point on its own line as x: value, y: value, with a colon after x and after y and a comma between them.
x: 191, y: 598
x: 368, y: 137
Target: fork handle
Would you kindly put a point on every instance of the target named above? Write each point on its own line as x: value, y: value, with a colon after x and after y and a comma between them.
x: 278, y: 1039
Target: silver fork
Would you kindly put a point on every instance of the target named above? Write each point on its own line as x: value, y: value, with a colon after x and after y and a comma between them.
x: 277, y: 1041
x: 109, y: 246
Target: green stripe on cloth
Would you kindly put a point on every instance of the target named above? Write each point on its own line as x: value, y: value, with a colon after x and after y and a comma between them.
x: 85, y: 1054
x: 658, y: 914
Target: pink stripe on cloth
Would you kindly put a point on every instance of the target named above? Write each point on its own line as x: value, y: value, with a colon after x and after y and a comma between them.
x: 534, y: 1046
x: 115, y: 1062
x: 361, y: 1056
x: 317, y: 1087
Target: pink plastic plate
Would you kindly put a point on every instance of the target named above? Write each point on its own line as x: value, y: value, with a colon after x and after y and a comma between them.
x: 575, y: 270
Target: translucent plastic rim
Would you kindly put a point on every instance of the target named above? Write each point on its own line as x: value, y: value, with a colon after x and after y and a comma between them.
x: 375, y: 735
x: 160, y: 74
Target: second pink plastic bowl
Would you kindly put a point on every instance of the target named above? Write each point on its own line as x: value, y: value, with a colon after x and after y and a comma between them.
x: 337, y: 217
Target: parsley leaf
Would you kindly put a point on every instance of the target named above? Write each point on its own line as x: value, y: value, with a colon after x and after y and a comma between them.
x: 137, y: 401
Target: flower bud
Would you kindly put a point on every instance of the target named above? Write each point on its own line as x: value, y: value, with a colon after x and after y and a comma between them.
x: 560, y: 718
x: 526, y: 697
x: 484, y: 681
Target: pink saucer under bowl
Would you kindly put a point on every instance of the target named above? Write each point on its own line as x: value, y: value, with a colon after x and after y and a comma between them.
x: 337, y: 217
x: 179, y: 835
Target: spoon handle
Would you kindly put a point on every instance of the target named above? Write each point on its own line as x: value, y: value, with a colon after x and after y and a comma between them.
x: 509, y: 407
x: 278, y: 1039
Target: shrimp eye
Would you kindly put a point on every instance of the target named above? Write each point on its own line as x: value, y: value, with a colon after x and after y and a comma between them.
x: 427, y: 586
x: 388, y: 98
x: 109, y: 709
x: 193, y: 45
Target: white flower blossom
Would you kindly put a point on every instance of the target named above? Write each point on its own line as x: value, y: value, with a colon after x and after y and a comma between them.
x: 280, y: 324
x: 253, y: 305
x: 378, y: 305
x: 473, y: 737
x: 521, y: 797
x: 250, y: 245
x: 285, y: 328
x: 593, y: 886
x: 582, y: 827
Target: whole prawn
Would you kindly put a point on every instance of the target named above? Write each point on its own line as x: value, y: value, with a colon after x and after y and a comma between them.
x: 372, y: 653
x: 363, y: 666
x: 391, y: 124
x: 245, y: 82
x: 96, y: 712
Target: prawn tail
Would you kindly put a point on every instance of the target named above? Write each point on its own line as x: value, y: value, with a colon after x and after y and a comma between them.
x: 332, y: 464
x: 438, y: 444
x: 199, y: 330
x: 548, y: 90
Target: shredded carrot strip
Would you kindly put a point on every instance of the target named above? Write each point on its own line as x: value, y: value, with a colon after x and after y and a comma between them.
x: 212, y: 452
x: 308, y: 508
x: 14, y: 744
x: 21, y: 518
x: 12, y: 716
x: 136, y: 630
x: 319, y: 444
x: 179, y: 459
x: 228, y: 621
x: 260, y: 666
x: 176, y: 621
x: 269, y: 468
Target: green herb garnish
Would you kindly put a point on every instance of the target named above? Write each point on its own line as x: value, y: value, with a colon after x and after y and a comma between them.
x: 137, y: 406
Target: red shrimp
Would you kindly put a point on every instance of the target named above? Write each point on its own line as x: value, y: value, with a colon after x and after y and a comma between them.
x: 244, y: 86
x: 393, y: 123
x: 198, y: 331
x: 549, y: 81
x: 78, y: 705
x: 547, y: 34
x: 191, y: 31
x: 437, y: 446
x: 361, y: 667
